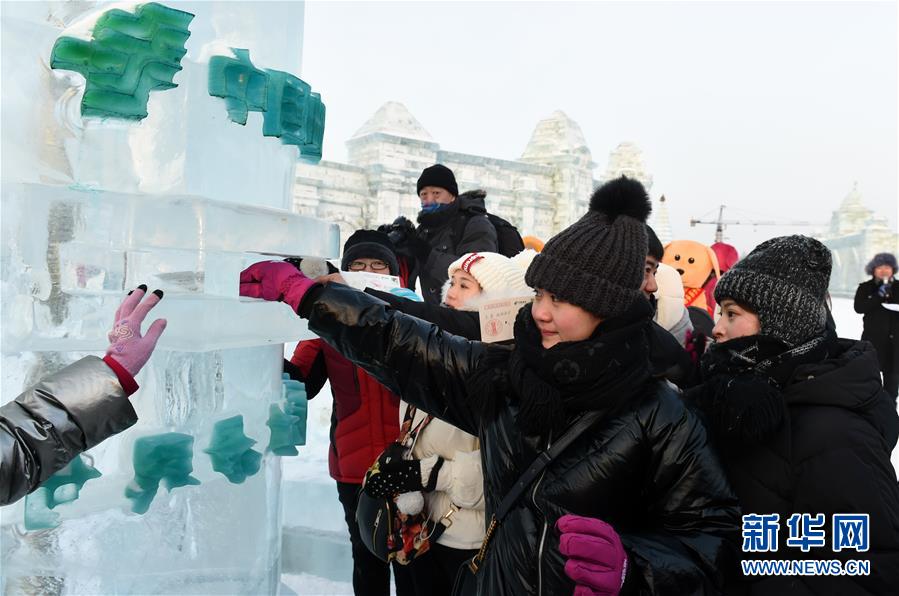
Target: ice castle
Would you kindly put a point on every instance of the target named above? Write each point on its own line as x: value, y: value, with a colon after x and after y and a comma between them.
x: 155, y: 144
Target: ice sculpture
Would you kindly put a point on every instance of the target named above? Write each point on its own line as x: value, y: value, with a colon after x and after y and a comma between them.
x: 94, y: 203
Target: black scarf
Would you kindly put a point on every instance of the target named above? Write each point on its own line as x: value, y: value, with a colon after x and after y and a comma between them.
x: 553, y: 385
x: 743, y: 379
x: 440, y: 218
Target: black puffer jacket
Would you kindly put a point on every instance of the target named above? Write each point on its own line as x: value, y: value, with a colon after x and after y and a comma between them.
x: 648, y: 471
x: 830, y: 454
x: 439, y: 231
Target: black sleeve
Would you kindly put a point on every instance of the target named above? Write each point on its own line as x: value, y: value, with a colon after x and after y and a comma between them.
x: 697, y: 516
x: 316, y: 378
x: 458, y: 322
x: 424, y: 365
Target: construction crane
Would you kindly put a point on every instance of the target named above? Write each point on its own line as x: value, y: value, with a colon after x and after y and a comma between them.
x: 722, y: 223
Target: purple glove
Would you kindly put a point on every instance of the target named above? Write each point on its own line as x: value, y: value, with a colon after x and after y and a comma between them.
x: 596, y: 559
x: 127, y: 347
x: 275, y: 281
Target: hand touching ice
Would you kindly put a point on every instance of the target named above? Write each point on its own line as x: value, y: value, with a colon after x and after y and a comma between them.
x: 275, y: 281
x: 127, y: 346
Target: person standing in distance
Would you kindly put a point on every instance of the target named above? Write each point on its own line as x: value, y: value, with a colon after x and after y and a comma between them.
x: 441, y: 238
x: 881, y: 325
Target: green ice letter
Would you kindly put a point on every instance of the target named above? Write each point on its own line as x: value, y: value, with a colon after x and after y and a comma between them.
x: 230, y: 450
x: 290, y: 110
x: 128, y: 56
x: 62, y: 487
x: 166, y: 457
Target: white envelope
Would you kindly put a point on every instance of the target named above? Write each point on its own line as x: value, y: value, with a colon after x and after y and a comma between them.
x: 365, y: 279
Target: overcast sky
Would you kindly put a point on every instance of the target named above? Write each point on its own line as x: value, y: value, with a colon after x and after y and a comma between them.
x: 772, y: 108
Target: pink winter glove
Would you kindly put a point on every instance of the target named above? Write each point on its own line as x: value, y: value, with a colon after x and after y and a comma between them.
x: 127, y: 347
x: 596, y: 559
x: 275, y: 281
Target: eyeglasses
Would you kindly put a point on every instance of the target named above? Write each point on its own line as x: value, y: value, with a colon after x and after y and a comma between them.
x: 374, y: 265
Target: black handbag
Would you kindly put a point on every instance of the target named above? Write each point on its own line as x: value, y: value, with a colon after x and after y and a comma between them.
x: 466, y: 582
x: 386, y: 532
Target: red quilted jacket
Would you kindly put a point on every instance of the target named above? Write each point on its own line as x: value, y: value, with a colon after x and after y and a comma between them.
x: 365, y: 418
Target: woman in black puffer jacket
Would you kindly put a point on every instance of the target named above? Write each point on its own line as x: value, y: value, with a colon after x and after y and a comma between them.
x: 800, y: 417
x: 637, y: 504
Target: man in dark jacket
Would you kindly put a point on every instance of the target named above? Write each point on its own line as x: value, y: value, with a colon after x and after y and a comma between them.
x: 644, y: 472
x: 78, y: 407
x: 802, y: 423
x: 450, y: 226
x: 881, y: 325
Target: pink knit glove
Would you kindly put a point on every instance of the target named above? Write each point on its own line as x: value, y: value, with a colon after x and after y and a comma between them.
x: 275, y: 281
x: 596, y: 559
x: 127, y: 346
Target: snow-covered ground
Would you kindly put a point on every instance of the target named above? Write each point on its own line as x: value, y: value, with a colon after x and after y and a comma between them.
x: 313, y: 514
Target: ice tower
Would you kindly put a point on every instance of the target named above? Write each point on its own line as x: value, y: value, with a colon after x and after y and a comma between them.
x: 155, y: 143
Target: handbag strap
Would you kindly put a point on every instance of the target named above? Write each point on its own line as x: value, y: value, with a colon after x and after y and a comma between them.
x: 536, y: 468
x: 406, y: 430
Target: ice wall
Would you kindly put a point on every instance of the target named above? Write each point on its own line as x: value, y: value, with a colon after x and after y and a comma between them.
x: 182, y: 200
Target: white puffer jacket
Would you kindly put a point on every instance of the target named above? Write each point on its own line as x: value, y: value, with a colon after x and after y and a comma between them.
x: 460, y: 481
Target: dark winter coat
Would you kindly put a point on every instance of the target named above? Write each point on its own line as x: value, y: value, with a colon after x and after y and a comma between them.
x: 439, y: 230
x: 648, y: 471
x: 881, y: 326
x: 365, y: 417
x: 830, y: 454
x: 48, y: 425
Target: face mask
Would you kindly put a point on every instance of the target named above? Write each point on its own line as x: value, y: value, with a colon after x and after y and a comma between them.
x: 433, y: 207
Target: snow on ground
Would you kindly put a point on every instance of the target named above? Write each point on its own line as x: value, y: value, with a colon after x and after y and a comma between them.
x: 849, y: 323
x: 309, y: 585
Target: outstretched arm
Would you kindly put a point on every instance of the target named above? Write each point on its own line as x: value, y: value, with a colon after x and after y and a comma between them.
x: 415, y: 359
x: 70, y: 411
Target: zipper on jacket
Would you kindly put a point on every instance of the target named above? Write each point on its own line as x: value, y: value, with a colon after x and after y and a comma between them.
x: 545, y: 525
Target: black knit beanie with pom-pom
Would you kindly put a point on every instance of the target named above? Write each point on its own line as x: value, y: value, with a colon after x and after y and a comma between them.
x: 597, y: 262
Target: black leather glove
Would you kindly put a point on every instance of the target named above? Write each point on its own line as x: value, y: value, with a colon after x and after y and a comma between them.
x: 393, y: 474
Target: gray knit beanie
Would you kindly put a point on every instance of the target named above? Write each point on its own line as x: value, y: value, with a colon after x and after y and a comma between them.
x: 597, y: 262
x: 784, y: 280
